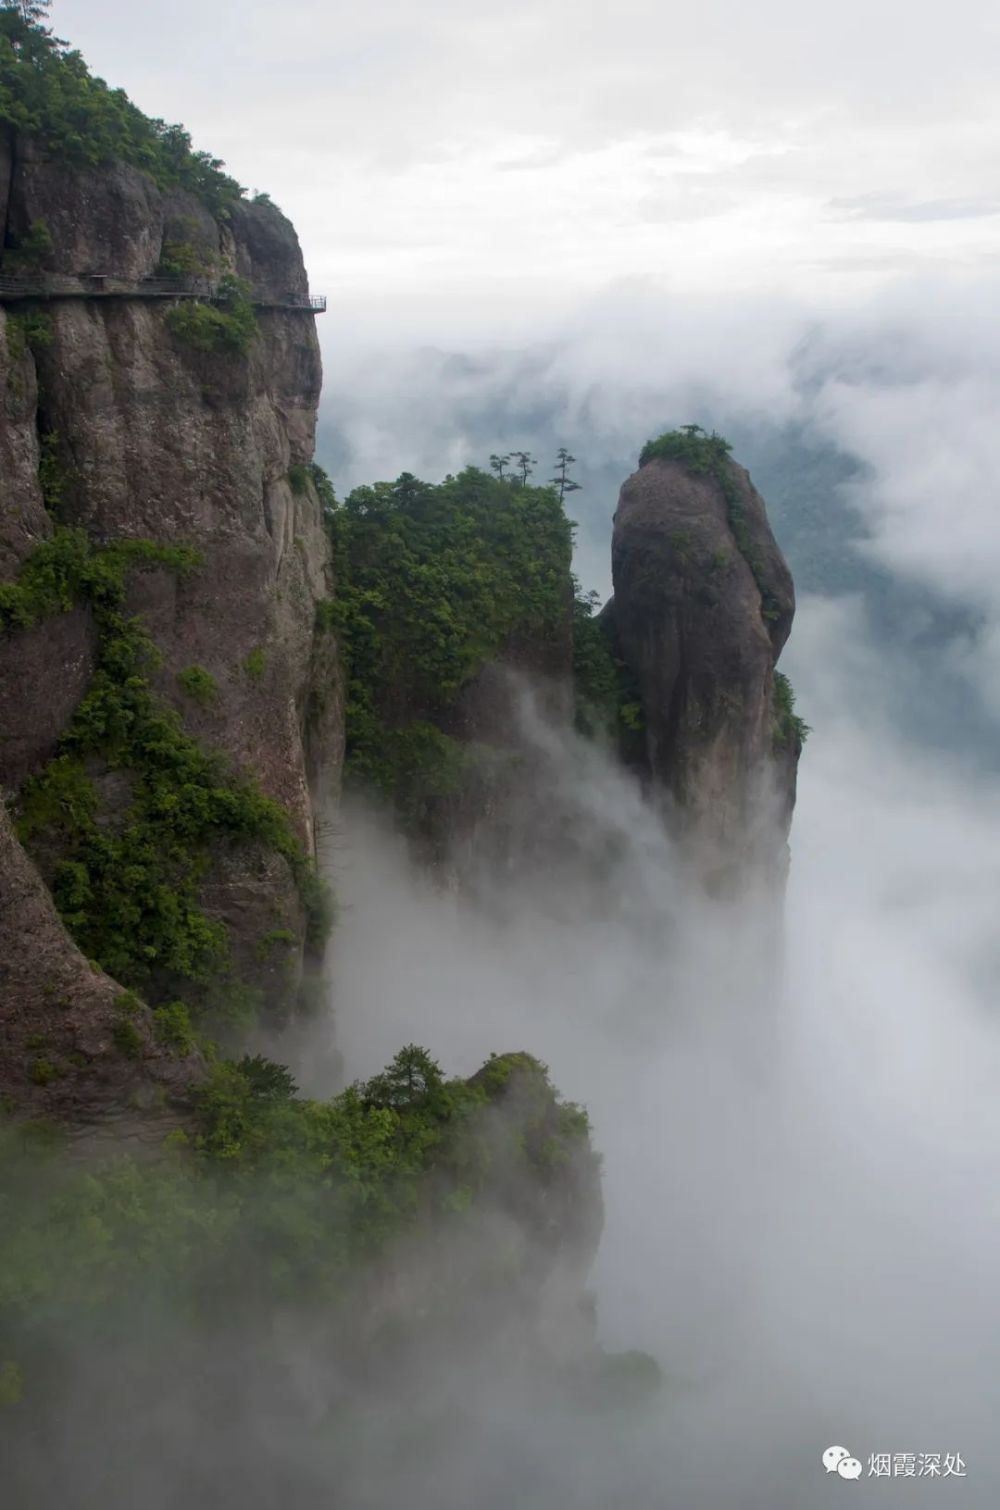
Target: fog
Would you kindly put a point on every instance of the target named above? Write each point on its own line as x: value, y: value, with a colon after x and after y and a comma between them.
x: 543, y: 225
x: 904, y: 380
x: 802, y: 1220
x: 800, y: 1130
x: 802, y: 1214
x: 799, y: 1119
x: 799, y: 1123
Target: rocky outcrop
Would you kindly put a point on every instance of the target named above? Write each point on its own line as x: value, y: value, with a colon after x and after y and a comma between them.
x: 112, y: 423
x: 703, y: 603
x: 73, y: 1045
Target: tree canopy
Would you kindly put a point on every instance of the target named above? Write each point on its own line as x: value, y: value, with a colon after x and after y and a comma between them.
x: 46, y: 89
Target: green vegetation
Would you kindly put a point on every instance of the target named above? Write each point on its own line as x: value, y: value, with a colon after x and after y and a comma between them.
x: 32, y: 249
x: 182, y: 259
x: 327, y: 615
x: 324, y: 488
x: 47, y: 90
x: 66, y: 569
x: 301, y: 473
x: 434, y: 581
x: 127, y: 1038
x: 691, y: 446
x: 198, y: 684
x: 254, y: 663
x: 128, y: 890
x: 228, y: 326
x: 172, y: 1026
x: 275, y: 937
x: 607, y: 696
x: 789, y: 728
x: 51, y: 472
x: 562, y: 480
x: 31, y: 331
x: 272, y: 1198
x: 43, y: 1072
x: 702, y: 454
x: 11, y: 1383
x: 421, y: 767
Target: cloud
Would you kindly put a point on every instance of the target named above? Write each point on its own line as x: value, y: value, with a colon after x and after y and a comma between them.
x: 576, y: 225
x: 801, y: 1218
x: 889, y: 207
x: 546, y: 142
x: 906, y: 383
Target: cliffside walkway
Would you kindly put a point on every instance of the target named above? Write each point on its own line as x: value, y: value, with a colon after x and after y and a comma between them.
x: 107, y: 286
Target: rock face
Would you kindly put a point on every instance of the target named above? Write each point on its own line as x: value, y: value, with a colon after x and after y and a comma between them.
x: 60, y: 1052
x: 112, y: 424
x: 703, y: 603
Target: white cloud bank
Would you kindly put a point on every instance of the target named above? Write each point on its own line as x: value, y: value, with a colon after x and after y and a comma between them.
x: 802, y: 1219
x: 470, y: 150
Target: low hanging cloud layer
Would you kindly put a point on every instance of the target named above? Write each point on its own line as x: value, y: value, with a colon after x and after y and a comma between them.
x: 802, y: 1223
x: 555, y: 224
x: 480, y: 155
x: 899, y: 393
x: 801, y: 1217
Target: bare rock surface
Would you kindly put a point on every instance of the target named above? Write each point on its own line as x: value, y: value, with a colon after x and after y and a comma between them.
x: 703, y: 603
x: 156, y: 440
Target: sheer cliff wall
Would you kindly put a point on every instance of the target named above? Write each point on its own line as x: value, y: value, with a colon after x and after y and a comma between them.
x: 115, y: 423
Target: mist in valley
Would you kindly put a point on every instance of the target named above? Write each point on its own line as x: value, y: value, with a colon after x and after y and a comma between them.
x: 801, y: 1223
x: 537, y: 227
x: 799, y: 1138
x: 795, y: 1105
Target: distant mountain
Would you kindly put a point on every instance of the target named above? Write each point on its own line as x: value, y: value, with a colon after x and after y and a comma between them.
x: 440, y: 409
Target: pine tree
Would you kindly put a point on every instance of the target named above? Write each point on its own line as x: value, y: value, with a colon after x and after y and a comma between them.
x: 33, y: 13
x: 562, y: 480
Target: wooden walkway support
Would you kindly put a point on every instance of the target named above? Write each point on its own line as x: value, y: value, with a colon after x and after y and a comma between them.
x: 108, y: 286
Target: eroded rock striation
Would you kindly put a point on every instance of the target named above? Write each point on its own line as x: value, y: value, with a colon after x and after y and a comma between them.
x: 125, y: 434
x: 703, y: 604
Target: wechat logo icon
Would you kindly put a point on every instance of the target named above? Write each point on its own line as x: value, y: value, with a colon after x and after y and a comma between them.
x: 839, y: 1460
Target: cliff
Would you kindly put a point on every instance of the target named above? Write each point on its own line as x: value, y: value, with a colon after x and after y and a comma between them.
x: 192, y: 631
x: 451, y: 595
x: 703, y: 604
x: 455, y: 598
x: 173, y: 721
x: 164, y: 546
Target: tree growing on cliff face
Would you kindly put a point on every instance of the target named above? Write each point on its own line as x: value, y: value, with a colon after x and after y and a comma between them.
x: 411, y: 1079
x: 31, y: 12
x: 562, y: 479
x: 22, y: 26
x: 47, y: 90
x: 526, y: 465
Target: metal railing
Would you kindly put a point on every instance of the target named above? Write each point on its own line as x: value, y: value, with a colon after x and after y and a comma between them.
x: 109, y: 285
x: 18, y: 287
x: 311, y: 301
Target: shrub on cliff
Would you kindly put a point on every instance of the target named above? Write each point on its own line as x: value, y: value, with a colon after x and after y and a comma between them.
x: 789, y: 728
x: 607, y: 700
x: 47, y: 90
x: 228, y: 326
x: 274, y: 1199
x: 129, y: 892
x: 434, y: 581
x: 703, y: 453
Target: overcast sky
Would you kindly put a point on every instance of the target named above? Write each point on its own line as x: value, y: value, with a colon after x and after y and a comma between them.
x: 656, y: 209
x: 781, y: 212
x: 506, y: 155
